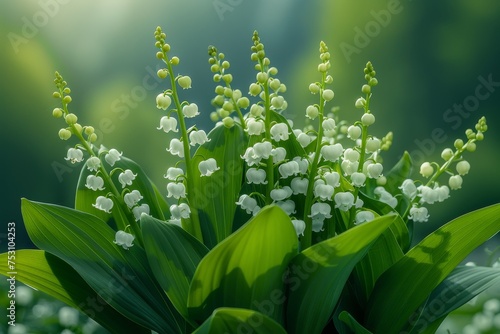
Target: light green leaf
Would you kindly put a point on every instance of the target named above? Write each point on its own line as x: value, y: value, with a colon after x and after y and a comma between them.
x: 216, y: 195
x: 237, y: 320
x: 173, y: 255
x: 121, y: 277
x: 49, y: 274
x: 319, y: 274
x: 353, y: 323
x: 246, y: 269
x: 407, y: 284
x: 463, y: 284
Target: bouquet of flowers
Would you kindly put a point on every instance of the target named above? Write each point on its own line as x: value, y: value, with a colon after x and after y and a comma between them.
x: 263, y: 228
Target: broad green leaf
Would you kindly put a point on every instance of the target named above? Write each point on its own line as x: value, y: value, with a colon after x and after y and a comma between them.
x: 319, y: 274
x: 121, y: 277
x: 49, y: 274
x: 173, y: 255
x: 407, y: 284
x: 246, y: 269
x: 237, y: 320
x: 216, y: 195
x: 463, y: 284
x: 353, y: 324
x: 86, y: 197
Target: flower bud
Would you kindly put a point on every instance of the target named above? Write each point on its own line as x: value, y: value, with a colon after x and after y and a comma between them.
x: 328, y: 79
x: 471, y: 146
x: 447, y: 154
x: 57, y: 112
x: 353, y: 132
x: 275, y: 84
x: 184, y: 82
x: 314, y: 88
x: 163, y: 101
x: 255, y: 89
x: 463, y: 167
x: 366, y: 89
x: 360, y: 103
x: 174, y: 61
x: 243, y: 102
x: 262, y: 77
x: 312, y: 112
x: 228, y: 106
x: 67, y: 99
x: 228, y: 78
x: 328, y: 94
x: 455, y: 182
x: 367, y: 119
x: 162, y: 73
x: 372, y: 145
x: 459, y: 143
x: 426, y: 169
x: 228, y: 122
x: 64, y: 134
x: 71, y: 119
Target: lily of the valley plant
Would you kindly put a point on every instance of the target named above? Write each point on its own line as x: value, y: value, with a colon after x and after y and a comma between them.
x: 268, y: 228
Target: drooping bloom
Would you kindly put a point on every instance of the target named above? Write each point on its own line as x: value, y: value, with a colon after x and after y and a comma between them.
x: 255, y: 126
x: 176, y: 148
x: 328, y: 124
x: 168, y: 124
x: 74, y: 155
x: 426, y: 169
x: 93, y: 164
x: 190, y: 110
x: 304, y: 139
x: 418, y: 214
x: 319, y: 212
x: 262, y: 150
x: 176, y: 190
x: 288, y: 169
x: 299, y: 225
x: 103, y: 203
x: 278, y: 154
x: 256, y: 176
x: 173, y: 173
x: 208, y: 167
x: 198, y: 137
x: 375, y: 170
x: 124, y: 239
x: 323, y: 191
x: 139, y: 210
x: 132, y: 198
x: 455, y: 182
x: 163, y: 101
x: 248, y: 204
x: 250, y: 157
x: 279, y: 132
x: 112, y: 156
x: 409, y: 189
x: 385, y: 196
x: 303, y: 164
x: 332, y: 179
x: 126, y: 177
x: 364, y: 216
x: 94, y: 182
x: 281, y: 193
x: 180, y: 211
x: 332, y: 152
x: 463, y: 167
x: 288, y: 206
x: 344, y: 200
x: 299, y: 185
x: 358, y: 179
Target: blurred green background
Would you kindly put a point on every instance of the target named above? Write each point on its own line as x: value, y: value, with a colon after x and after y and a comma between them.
x: 430, y: 58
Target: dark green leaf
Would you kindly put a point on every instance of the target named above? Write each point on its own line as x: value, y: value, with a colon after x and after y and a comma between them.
x: 353, y: 323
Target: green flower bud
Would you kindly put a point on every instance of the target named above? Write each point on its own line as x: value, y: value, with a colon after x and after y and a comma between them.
x: 228, y: 78
x: 258, y: 67
x: 78, y: 128
x: 162, y: 73
x: 211, y: 61
x: 228, y: 92
x: 328, y: 79
x: 366, y: 89
x: 255, y: 89
x: 67, y: 90
x: 221, y: 56
x: 215, y: 68
x: 471, y: 146
x: 67, y: 99
x: 447, y: 154
x: 217, y: 77
x: 275, y: 84
x: 159, y: 55
x: 218, y: 100
x: 228, y: 106
x: 219, y: 90
x: 322, y: 68
x: 166, y: 47
x: 175, y: 61
x: 360, y: 103
x: 228, y: 122
x: 282, y: 88
x: 254, y: 57
x: 381, y: 181
x: 479, y: 136
x: 184, y: 82
x: 225, y: 64
x: 223, y: 113
x: 243, y: 102
x: 56, y: 95
x: 236, y: 94
x: 93, y: 138
x: 328, y: 94
x: 214, y: 116
x: 64, y: 134
x: 373, y: 82
x: 314, y: 88
x: 273, y: 70
x: 459, y: 143
x: 262, y: 77
x: 89, y: 130
x: 71, y: 119
x: 367, y: 119
x: 57, y: 112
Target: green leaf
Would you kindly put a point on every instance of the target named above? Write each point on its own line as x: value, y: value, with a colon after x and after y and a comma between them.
x: 49, y: 274
x: 319, y: 274
x: 121, y: 277
x: 237, y: 320
x: 173, y: 255
x: 85, y: 197
x: 353, y: 323
x: 246, y: 269
x: 407, y: 284
x: 463, y: 284
x: 215, y: 196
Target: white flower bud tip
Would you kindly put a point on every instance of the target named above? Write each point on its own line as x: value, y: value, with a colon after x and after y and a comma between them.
x: 163, y: 101
x: 426, y: 169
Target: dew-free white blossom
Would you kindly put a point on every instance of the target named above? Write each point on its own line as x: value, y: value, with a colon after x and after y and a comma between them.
x: 426, y: 169
x: 385, y: 196
x: 262, y: 150
x: 303, y: 164
x: 126, y: 177
x: 312, y: 112
x: 428, y: 194
x: 364, y: 216
x: 332, y: 179
x: 418, y: 214
x: 374, y: 171
x: 353, y: 132
x: 74, y: 155
x: 317, y: 224
x: 176, y: 190
x: 328, y: 124
x: 124, y: 239
x: 299, y: 225
x: 455, y: 182
x: 278, y: 102
x: 332, y: 152
x: 176, y: 148
x: 409, y: 189
x: 323, y: 191
x: 358, y: 179
x: 93, y: 164
x: 103, y: 203
x: 344, y: 200
x: 299, y: 185
x: 288, y: 206
x: 198, y: 137
x: 288, y: 169
x: 367, y: 119
x: 319, y: 212
x: 443, y: 192
x: 281, y: 194
x: 168, y: 124
x: 328, y: 94
x: 163, y: 101
x: 173, y: 173
x: 304, y: 139
x: 351, y: 155
x: 256, y: 110
x: 256, y: 176
x: 208, y: 167
x: 255, y: 126
x: 180, y: 211
x: 349, y: 167
x: 463, y: 167
x: 247, y: 203
x: 112, y: 156
x: 372, y: 145
x: 278, y: 154
x: 132, y: 198
x: 139, y: 210
x: 279, y: 132
x: 94, y: 182
x: 250, y: 157
x: 190, y: 110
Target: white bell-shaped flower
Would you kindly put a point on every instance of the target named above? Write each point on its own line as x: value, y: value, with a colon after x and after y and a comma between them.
x: 103, y: 203
x: 304, y: 139
x: 256, y: 176
x: 409, y: 189
x: 299, y: 185
x: 463, y: 167
x: 208, y: 167
x: 139, y: 210
x: 262, y: 150
x: 312, y: 112
x: 190, y: 110
x: 299, y: 226
x: 426, y: 169
x: 173, y: 173
x: 112, y: 156
x: 349, y: 167
x: 332, y: 179
x: 279, y: 132
x: 168, y: 124
x: 323, y: 191
x: 385, y: 196
x: 247, y: 203
x: 358, y: 179
x: 288, y: 206
x: 364, y: 216
x: 124, y: 239
x: 443, y: 193
x: 418, y: 214
x: 250, y: 157
x: 328, y: 124
x: 353, y: 132
x: 93, y: 164
x: 351, y: 155
x: 176, y: 148
x: 332, y: 152
x: 163, y: 101
x: 374, y: 171
x: 303, y: 164
x: 198, y: 137
x: 288, y: 169
x: 428, y: 194
x: 372, y: 145
x: 132, y: 198
x: 255, y: 126
x: 281, y: 194
x: 317, y: 224
x: 180, y: 211
x: 319, y: 212
x: 94, y: 182
x: 344, y: 200
x: 74, y: 155
x: 278, y: 154
x: 455, y: 182
x: 176, y: 190
x: 126, y: 177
